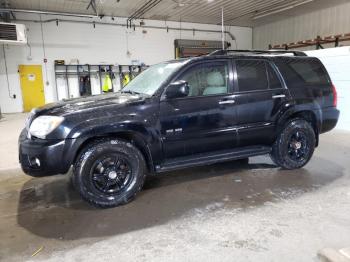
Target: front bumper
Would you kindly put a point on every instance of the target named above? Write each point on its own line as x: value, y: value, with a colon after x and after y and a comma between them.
x: 40, y: 157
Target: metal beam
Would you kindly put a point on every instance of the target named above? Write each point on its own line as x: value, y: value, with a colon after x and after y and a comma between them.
x: 124, y: 25
x: 93, y: 6
x: 13, y: 15
x: 142, y: 10
x: 46, y: 12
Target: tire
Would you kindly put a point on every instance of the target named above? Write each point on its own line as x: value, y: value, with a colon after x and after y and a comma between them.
x: 109, y: 173
x: 295, y: 145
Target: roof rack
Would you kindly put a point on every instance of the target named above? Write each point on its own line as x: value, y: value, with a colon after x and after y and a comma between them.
x: 257, y: 52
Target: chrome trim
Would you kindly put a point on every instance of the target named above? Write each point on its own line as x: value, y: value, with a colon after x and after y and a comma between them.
x: 278, y: 96
x: 227, y: 102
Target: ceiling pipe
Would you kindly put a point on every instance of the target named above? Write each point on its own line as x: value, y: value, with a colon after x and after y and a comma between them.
x: 93, y: 6
x: 46, y: 13
x: 124, y: 25
x: 142, y: 10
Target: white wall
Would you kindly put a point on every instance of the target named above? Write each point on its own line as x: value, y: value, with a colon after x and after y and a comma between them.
x: 337, y: 62
x: 328, y: 21
x: 103, y: 44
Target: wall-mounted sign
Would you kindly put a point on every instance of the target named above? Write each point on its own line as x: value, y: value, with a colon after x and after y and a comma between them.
x: 31, y: 77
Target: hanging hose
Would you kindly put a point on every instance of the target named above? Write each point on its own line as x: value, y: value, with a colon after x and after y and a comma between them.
x: 44, y: 51
x: 7, y: 75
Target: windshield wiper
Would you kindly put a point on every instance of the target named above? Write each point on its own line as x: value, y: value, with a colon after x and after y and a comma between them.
x: 130, y: 92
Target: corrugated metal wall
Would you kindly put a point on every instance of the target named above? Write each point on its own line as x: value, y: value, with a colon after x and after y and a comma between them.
x: 328, y: 21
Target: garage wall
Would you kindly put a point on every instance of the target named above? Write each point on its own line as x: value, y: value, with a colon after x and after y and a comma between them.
x: 337, y: 62
x: 329, y: 21
x: 103, y: 44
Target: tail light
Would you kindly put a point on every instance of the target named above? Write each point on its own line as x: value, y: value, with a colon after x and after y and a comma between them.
x: 335, y: 96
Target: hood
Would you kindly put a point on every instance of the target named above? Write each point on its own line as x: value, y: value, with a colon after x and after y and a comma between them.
x: 90, y: 103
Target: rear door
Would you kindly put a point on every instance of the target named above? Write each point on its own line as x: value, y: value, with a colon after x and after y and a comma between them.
x: 259, y: 96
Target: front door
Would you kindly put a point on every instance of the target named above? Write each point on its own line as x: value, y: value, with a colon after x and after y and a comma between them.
x: 259, y: 98
x: 204, y: 120
x: 32, y: 86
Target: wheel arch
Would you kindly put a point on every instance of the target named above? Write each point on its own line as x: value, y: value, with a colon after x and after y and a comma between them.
x: 127, y: 135
x: 309, y: 115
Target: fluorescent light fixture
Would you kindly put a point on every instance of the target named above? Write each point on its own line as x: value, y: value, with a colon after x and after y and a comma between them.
x: 281, y: 9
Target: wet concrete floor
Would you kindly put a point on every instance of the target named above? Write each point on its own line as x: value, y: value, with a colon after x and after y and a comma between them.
x: 46, y: 214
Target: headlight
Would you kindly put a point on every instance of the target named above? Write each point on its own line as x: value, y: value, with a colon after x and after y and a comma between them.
x: 44, y: 125
x: 29, y: 119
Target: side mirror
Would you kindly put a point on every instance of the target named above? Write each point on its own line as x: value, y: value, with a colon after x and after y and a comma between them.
x: 177, y: 89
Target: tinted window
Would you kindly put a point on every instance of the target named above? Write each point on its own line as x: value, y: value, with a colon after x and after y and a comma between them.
x: 292, y: 79
x: 251, y: 75
x: 274, y: 81
x: 207, y: 79
x: 310, y: 71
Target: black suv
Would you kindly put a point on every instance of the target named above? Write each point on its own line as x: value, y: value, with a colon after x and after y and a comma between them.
x: 183, y: 113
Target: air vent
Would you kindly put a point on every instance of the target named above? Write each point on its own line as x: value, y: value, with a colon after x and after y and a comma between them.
x: 8, y: 32
x: 13, y: 34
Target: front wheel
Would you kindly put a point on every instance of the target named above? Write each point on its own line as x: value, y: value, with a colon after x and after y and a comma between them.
x: 109, y: 173
x: 295, y: 145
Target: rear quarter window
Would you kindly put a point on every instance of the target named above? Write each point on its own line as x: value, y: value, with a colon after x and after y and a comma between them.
x: 301, y: 72
x: 311, y: 72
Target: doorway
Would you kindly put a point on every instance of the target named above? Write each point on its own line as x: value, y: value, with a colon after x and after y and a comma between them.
x: 32, y: 86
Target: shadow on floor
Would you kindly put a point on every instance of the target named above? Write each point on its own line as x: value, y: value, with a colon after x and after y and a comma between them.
x: 50, y: 208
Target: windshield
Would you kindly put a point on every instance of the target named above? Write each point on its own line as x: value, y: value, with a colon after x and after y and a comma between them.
x: 151, y: 79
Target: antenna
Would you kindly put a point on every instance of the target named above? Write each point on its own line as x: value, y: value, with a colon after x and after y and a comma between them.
x: 222, y: 29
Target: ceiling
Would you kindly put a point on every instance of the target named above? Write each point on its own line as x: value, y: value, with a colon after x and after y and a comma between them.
x: 236, y: 12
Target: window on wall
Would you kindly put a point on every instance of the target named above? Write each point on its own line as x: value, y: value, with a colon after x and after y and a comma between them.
x: 207, y: 79
x: 251, y: 75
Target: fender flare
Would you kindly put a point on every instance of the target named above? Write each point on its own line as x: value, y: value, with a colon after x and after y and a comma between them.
x: 313, y: 115
x: 136, y: 133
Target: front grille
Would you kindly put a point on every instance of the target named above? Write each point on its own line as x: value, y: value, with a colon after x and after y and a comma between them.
x: 8, y: 32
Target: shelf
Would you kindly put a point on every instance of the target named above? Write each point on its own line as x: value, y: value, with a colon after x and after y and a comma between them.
x: 67, y: 72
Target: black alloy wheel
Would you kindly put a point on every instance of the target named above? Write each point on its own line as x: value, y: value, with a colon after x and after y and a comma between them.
x: 109, y: 172
x: 294, y: 145
x: 298, y: 147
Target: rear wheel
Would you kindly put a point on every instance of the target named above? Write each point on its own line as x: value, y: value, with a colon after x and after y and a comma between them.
x: 295, y: 145
x: 109, y: 173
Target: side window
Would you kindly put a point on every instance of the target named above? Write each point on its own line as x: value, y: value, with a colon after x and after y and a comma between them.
x: 207, y: 79
x: 274, y: 81
x: 251, y: 75
x: 292, y: 79
x: 310, y: 71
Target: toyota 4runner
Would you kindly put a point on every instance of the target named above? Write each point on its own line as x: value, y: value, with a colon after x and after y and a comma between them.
x: 182, y: 113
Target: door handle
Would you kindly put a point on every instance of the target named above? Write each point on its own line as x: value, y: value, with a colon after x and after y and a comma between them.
x: 278, y: 96
x: 226, y: 102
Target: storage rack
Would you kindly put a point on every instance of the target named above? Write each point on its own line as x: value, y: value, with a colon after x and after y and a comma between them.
x: 78, y: 70
x: 318, y: 42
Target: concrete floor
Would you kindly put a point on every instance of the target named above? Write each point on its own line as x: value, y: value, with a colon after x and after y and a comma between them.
x: 223, y: 212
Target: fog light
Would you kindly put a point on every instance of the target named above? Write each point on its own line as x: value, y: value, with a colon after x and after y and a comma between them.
x: 34, y: 162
